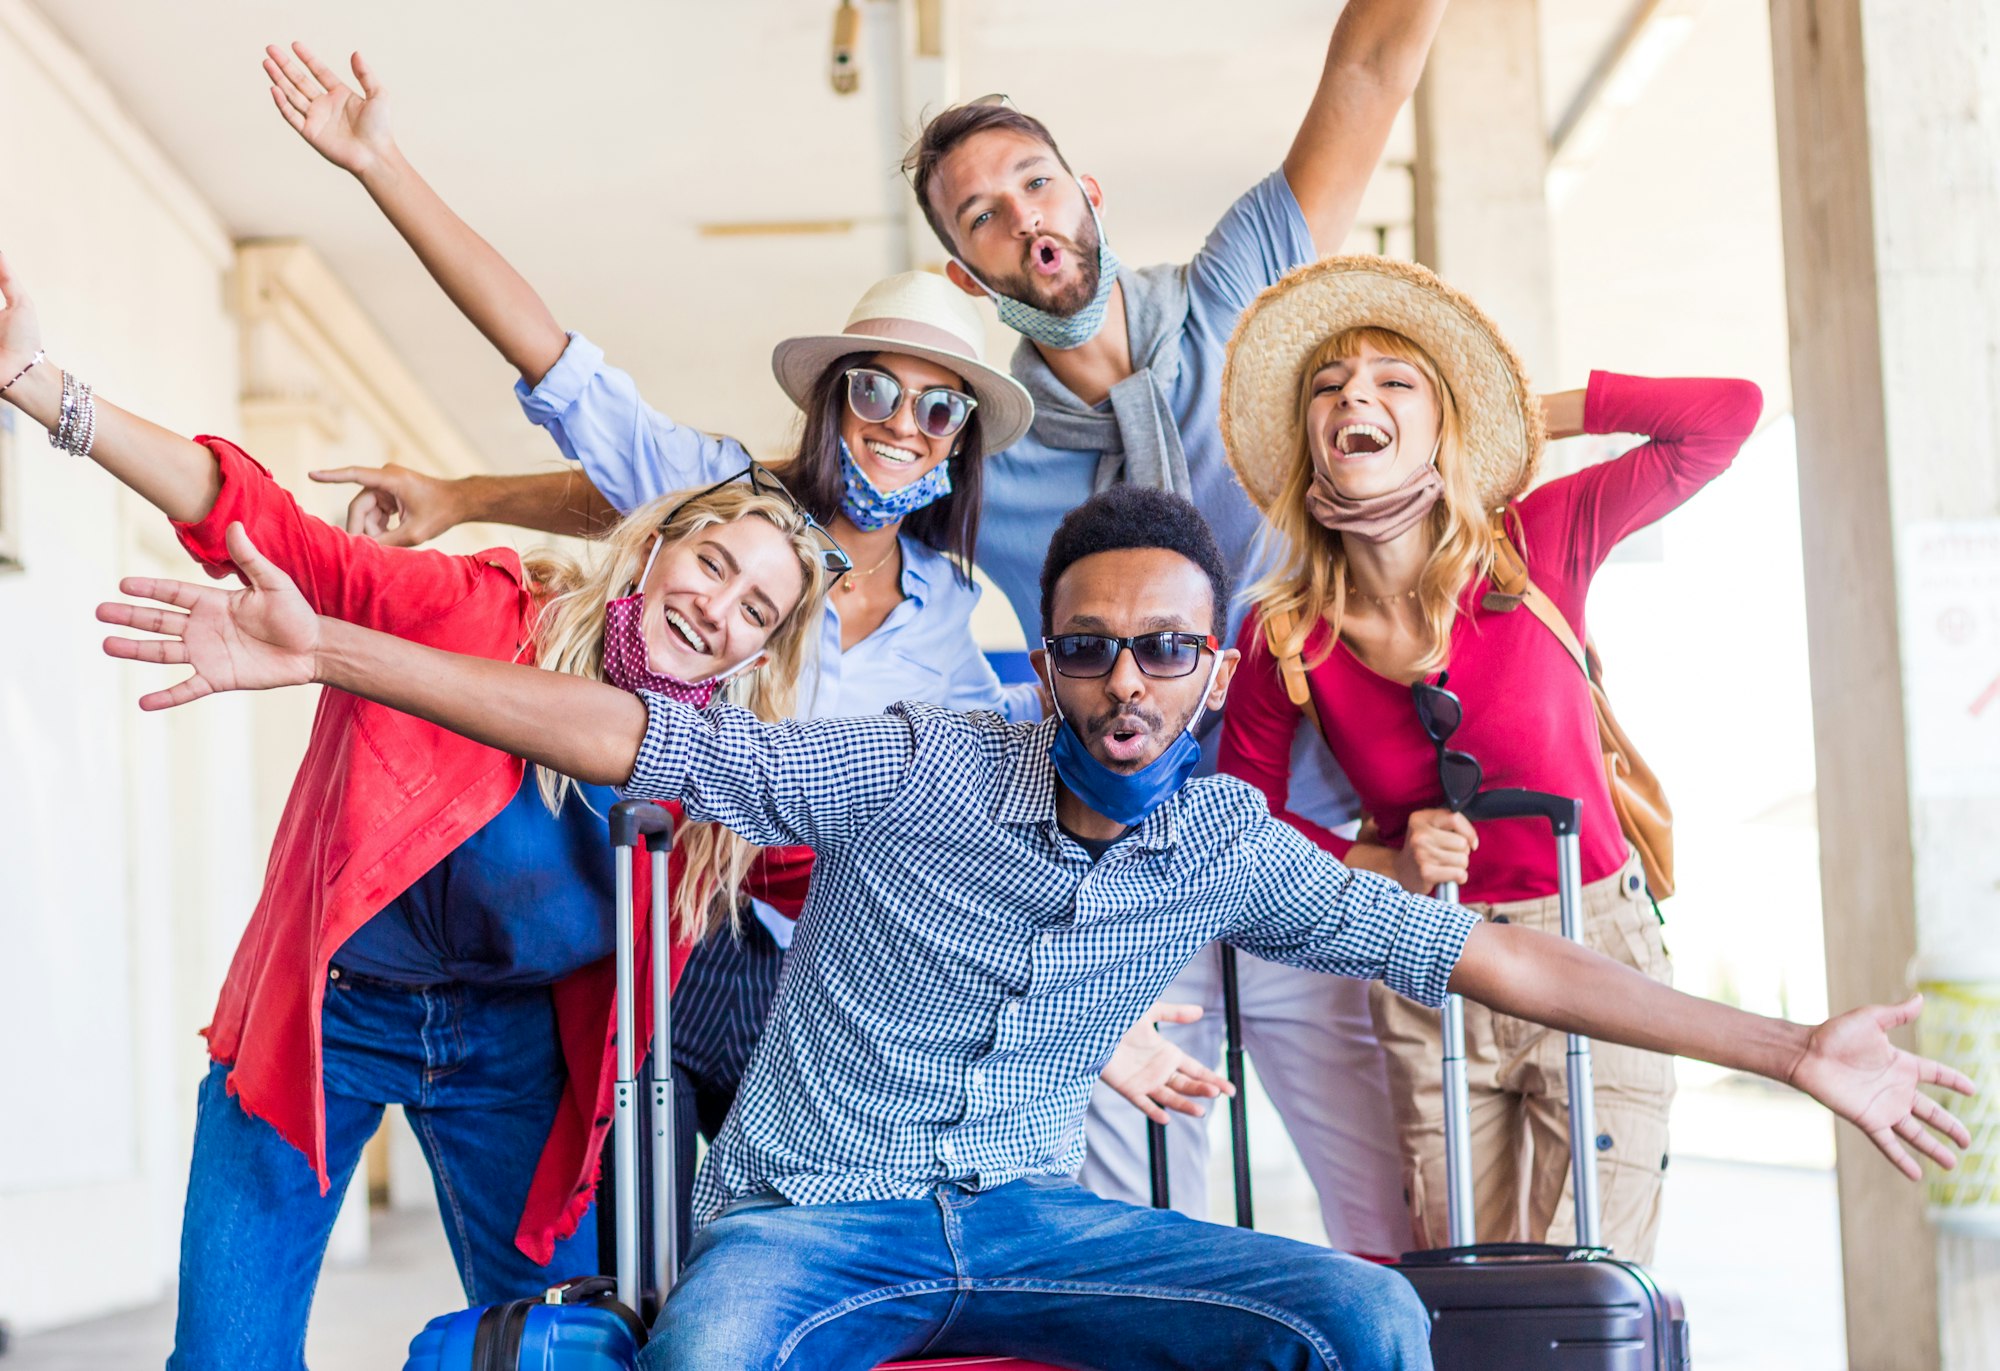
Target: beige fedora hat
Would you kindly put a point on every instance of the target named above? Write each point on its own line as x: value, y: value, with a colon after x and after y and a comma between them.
x: 1500, y: 416
x: 916, y: 314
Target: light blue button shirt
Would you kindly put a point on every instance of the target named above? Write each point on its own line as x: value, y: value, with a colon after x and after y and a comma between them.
x: 633, y: 453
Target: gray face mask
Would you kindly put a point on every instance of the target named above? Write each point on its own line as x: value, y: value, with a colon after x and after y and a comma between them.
x: 1060, y: 331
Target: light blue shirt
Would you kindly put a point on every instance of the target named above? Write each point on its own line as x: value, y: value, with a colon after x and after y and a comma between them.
x: 963, y: 968
x: 633, y: 454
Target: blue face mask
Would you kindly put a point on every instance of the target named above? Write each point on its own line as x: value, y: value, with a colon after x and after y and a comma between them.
x: 869, y: 509
x: 1060, y: 331
x: 1126, y: 797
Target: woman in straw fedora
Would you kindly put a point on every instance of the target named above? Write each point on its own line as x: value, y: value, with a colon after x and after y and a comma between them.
x: 899, y: 409
x: 1381, y: 421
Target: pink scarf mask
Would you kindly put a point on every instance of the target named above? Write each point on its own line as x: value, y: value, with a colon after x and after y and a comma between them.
x: 1376, y: 518
x: 628, y: 663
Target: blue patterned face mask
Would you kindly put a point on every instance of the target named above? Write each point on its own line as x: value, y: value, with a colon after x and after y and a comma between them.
x: 868, y: 508
x: 1060, y: 331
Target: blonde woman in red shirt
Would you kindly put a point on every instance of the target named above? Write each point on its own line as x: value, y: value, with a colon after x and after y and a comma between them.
x: 1380, y: 420
x: 433, y: 929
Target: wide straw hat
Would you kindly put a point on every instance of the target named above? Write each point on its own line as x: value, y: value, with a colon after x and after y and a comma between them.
x: 916, y: 314
x: 1500, y: 417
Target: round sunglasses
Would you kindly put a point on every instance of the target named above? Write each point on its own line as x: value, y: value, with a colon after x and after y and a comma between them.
x: 875, y: 396
x: 1086, y: 656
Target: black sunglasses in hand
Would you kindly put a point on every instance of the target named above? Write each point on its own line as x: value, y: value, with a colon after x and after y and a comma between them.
x: 1440, y: 713
x: 765, y: 482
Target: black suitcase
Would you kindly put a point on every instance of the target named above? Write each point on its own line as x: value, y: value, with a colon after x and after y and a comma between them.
x: 1502, y: 1306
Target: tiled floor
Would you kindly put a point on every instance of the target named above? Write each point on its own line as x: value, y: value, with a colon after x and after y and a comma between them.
x: 1752, y: 1248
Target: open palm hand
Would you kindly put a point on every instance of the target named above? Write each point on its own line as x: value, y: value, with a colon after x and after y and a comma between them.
x: 258, y: 638
x: 350, y: 130
x: 1852, y: 1068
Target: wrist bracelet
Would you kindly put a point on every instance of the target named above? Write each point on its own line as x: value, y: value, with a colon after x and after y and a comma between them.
x: 76, y: 425
x: 33, y: 362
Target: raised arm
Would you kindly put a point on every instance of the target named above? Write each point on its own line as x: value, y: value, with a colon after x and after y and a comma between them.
x: 352, y: 131
x: 1847, y: 1063
x: 1373, y: 63
x: 177, y: 476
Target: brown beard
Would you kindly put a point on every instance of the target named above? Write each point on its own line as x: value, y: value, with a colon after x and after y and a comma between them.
x: 1062, y: 301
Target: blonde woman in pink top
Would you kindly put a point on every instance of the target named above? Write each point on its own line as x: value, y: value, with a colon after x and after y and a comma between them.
x: 1380, y: 420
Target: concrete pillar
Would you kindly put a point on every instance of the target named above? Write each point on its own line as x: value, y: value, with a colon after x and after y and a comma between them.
x: 1482, y: 171
x: 1889, y: 140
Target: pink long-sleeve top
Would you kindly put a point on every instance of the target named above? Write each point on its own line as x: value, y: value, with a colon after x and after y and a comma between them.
x: 1528, y: 714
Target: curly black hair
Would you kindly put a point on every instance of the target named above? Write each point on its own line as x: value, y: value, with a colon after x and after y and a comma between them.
x: 1136, y: 516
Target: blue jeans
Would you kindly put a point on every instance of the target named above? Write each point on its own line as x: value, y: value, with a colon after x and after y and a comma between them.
x: 1041, y: 1269
x: 478, y: 1071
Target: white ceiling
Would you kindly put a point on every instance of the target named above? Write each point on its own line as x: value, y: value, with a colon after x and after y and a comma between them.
x: 588, y: 140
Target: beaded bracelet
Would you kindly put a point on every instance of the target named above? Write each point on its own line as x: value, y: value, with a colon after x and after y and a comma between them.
x: 33, y: 362
x: 76, y: 426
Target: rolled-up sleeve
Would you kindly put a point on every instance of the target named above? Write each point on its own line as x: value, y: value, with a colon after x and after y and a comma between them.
x: 1308, y: 910
x: 630, y: 451
x: 811, y: 783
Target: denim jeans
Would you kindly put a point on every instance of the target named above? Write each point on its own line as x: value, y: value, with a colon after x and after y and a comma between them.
x: 478, y: 1071
x: 1041, y: 1269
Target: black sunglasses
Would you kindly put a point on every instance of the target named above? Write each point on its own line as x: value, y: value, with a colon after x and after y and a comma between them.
x: 1086, y: 656
x: 832, y: 556
x: 1440, y: 713
x: 875, y: 396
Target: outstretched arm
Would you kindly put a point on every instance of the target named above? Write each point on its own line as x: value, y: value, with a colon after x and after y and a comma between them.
x: 1847, y: 1063
x: 351, y: 130
x: 179, y: 477
x: 1372, y: 66
x: 404, y: 508
x: 265, y: 636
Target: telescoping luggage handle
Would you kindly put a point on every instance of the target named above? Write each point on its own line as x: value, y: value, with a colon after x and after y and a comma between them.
x: 1565, y: 817
x: 629, y: 820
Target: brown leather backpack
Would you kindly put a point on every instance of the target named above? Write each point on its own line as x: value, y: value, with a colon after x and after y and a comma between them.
x: 1644, y: 816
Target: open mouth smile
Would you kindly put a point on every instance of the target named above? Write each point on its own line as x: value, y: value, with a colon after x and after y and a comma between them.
x: 894, y: 456
x: 1359, y: 440
x: 686, y: 632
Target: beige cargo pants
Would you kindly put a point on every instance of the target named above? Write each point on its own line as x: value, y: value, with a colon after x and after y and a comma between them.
x: 1519, y: 1096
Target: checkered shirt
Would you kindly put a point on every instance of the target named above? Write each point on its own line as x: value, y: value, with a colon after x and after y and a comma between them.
x: 962, y: 969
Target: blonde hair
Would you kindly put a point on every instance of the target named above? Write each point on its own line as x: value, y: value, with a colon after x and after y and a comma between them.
x: 1312, y: 583
x: 569, y: 636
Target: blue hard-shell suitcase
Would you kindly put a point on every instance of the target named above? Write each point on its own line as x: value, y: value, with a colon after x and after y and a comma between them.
x: 576, y: 1326
x: 591, y: 1323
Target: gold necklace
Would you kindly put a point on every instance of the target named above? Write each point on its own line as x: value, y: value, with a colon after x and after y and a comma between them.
x: 847, y: 581
x: 1385, y: 600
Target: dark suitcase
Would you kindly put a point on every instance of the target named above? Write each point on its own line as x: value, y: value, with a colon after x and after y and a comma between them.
x: 1501, y: 1306
x: 1239, y: 1107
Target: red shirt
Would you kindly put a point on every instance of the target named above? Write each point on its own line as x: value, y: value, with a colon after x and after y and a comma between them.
x: 380, y: 798
x: 1528, y: 714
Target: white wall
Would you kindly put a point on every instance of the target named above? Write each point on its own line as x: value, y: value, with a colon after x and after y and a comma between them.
x: 127, y: 861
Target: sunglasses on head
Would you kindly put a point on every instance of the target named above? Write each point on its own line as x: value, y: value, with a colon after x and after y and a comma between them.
x: 1440, y: 714
x: 875, y: 396
x: 1085, y: 656
x: 832, y: 556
